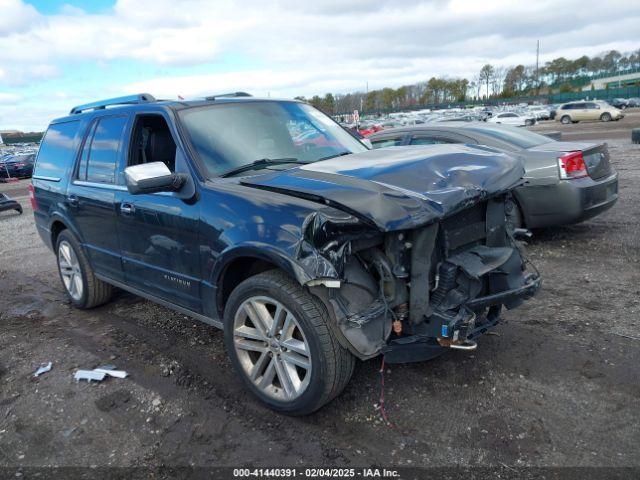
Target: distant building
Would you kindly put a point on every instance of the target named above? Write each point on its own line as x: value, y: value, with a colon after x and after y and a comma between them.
x: 617, y: 81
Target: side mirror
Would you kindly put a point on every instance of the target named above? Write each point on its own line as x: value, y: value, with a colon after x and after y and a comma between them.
x: 151, y: 178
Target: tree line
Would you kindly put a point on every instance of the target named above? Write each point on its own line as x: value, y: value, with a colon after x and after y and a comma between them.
x: 560, y: 74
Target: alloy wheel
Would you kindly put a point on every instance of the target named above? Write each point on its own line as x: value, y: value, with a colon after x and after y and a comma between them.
x: 70, y: 270
x: 272, y: 348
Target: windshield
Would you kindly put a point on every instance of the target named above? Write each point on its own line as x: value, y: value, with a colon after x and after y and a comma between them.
x: 519, y: 137
x: 230, y: 135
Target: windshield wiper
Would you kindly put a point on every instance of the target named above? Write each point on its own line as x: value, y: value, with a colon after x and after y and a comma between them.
x: 341, y: 154
x: 257, y: 164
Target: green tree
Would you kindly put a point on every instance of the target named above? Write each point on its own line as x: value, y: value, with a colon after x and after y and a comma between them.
x: 515, y: 80
x: 486, y: 75
x: 329, y: 104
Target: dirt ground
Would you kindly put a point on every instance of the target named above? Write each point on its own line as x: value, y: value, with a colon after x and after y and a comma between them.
x: 558, y: 385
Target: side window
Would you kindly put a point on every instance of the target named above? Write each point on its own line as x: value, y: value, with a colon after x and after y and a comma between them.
x: 58, y: 150
x: 152, y: 142
x: 387, y: 142
x: 84, y: 155
x: 100, y: 152
x: 429, y: 140
x: 591, y: 106
x: 579, y: 106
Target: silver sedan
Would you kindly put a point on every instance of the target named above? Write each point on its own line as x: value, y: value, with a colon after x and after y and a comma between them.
x: 565, y: 182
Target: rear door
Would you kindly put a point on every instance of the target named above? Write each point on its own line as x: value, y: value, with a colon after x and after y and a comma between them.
x: 592, y: 111
x: 91, y: 196
x: 159, y: 231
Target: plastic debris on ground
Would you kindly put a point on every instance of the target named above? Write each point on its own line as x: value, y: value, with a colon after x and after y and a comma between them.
x: 44, y: 368
x: 99, y: 374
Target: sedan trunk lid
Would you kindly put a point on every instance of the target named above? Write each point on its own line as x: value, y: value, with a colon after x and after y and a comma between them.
x: 596, y: 155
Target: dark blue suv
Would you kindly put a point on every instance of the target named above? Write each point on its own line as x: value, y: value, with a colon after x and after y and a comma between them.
x: 267, y: 219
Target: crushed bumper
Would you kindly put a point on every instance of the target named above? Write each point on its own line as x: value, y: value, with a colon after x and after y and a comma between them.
x: 457, y: 314
x: 528, y: 290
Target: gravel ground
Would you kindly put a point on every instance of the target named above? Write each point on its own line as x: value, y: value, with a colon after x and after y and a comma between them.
x: 557, y: 385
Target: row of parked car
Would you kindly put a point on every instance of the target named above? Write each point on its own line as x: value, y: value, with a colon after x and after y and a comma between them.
x: 516, y: 115
x: 310, y: 249
x: 17, y: 162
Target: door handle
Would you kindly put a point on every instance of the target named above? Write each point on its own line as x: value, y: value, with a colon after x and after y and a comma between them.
x: 127, y: 208
x: 73, y: 200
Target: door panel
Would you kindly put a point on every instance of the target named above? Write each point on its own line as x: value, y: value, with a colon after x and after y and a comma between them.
x: 93, y: 210
x: 159, y: 242
x: 91, y: 195
x: 159, y: 232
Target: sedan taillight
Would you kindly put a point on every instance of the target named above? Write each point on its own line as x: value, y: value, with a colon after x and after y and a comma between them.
x: 572, y: 166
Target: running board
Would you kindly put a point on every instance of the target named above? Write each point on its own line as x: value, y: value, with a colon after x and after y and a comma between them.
x: 160, y: 301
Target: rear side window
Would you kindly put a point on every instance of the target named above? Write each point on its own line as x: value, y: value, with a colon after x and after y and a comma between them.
x: 428, y: 140
x: 58, y: 150
x: 387, y: 142
x: 101, y: 150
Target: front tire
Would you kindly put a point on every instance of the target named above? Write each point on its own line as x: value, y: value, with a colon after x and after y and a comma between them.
x: 281, y: 343
x: 566, y: 120
x: 605, y: 117
x: 514, y: 215
x: 82, y: 287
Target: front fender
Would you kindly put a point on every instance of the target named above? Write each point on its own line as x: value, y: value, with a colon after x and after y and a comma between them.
x: 261, y: 251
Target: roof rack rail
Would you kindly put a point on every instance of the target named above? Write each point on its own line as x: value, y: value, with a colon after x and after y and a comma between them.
x: 232, y: 94
x: 101, y: 104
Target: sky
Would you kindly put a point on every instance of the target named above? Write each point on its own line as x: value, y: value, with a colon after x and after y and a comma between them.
x: 55, y: 54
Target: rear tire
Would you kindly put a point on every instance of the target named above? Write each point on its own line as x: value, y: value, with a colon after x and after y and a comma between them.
x: 82, y: 287
x: 565, y: 120
x: 605, y: 117
x: 280, y: 341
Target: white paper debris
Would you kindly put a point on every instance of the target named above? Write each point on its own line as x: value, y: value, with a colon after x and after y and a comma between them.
x: 44, y: 368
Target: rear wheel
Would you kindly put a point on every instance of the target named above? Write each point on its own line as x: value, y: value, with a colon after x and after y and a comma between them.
x: 528, y: 123
x: 566, y: 119
x: 279, y: 340
x: 81, y: 285
x: 605, y: 117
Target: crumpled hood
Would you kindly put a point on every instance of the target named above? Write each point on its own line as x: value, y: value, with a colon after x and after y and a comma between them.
x: 401, y: 187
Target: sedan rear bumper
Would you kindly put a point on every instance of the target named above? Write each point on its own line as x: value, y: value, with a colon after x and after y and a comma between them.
x: 567, y: 202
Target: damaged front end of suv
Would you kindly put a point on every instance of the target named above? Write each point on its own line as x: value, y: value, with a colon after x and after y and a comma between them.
x: 414, y: 252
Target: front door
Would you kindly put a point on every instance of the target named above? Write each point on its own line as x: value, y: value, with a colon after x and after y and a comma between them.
x: 159, y: 231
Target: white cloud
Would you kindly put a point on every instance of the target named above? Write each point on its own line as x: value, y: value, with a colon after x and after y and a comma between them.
x: 9, y: 98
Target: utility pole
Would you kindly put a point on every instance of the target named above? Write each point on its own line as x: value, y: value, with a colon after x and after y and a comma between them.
x: 537, y: 66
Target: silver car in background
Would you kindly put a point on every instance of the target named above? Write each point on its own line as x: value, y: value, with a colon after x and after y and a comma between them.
x: 565, y: 182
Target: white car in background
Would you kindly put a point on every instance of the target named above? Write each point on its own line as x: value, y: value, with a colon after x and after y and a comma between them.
x: 512, y: 118
x: 541, y: 113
